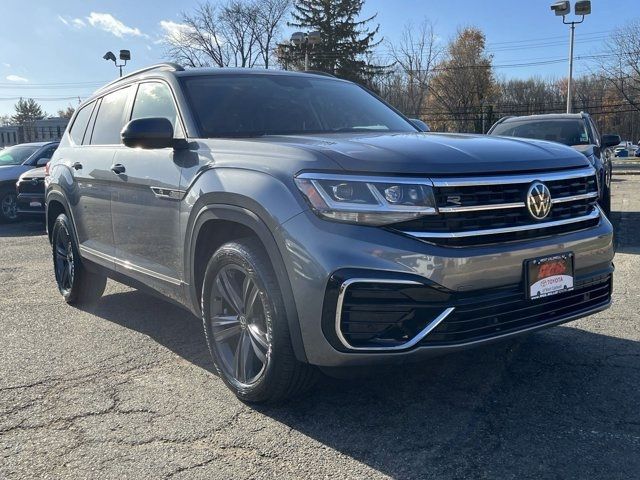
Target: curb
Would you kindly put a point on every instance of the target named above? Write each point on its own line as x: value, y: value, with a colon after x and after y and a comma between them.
x: 625, y: 172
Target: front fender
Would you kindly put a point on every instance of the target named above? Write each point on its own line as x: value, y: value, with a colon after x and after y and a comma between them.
x: 271, y: 203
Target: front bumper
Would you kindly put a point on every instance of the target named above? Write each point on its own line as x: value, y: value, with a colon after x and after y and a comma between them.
x: 31, y: 204
x: 314, y: 250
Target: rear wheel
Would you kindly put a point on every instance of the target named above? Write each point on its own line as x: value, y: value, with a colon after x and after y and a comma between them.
x: 76, y: 284
x: 246, y: 327
x: 9, y: 207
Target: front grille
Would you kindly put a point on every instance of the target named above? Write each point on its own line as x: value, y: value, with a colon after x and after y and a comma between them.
x: 29, y: 186
x: 495, y: 210
x: 491, y: 313
x: 475, y: 195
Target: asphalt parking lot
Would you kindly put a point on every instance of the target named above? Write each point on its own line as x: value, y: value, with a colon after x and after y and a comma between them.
x: 126, y: 390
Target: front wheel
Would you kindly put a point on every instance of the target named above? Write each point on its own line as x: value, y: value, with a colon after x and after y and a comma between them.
x: 246, y: 327
x: 8, y: 207
x: 76, y: 284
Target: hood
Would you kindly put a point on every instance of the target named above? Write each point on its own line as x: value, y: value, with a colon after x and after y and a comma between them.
x: 12, y: 172
x: 437, y: 153
x: 586, y: 150
x: 34, y: 173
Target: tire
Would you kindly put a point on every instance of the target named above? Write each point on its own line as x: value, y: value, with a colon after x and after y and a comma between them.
x: 246, y: 327
x: 8, y: 207
x: 77, y: 285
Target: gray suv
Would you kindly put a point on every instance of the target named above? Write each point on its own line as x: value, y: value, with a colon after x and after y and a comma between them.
x: 312, y: 226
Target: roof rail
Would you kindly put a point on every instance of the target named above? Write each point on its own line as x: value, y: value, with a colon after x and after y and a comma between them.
x: 165, y: 66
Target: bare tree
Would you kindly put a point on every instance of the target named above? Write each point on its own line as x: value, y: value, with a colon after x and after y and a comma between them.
x: 239, y: 33
x: 622, y: 65
x: 238, y: 21
x: 269, y: 19
x: 198, y: 41
x: 415, y: 56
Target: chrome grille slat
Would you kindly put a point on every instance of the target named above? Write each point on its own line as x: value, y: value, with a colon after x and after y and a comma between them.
x: 471, y: 213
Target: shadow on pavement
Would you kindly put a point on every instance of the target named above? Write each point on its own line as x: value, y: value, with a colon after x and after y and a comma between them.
x: 560, y: 403
x: 27, y: 228
x: 627, y: 231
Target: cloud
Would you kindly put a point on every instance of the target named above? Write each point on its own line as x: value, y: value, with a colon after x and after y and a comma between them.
x: 72, y: 22
x: 16, y: 78
x: 173, y: 29
x: 6, y: 65
x: 108, y: 23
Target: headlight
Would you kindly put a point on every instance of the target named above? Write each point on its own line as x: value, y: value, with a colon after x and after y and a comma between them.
x: 367, y: 200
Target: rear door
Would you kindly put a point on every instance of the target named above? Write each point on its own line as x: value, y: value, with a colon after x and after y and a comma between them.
x: 146, y: 199
x: 92, y: 165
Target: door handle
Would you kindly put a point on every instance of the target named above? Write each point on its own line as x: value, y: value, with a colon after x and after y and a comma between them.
x: 77, y: 166
x: 118, y: 169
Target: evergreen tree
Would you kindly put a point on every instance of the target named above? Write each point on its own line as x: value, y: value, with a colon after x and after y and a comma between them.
x: 27, y: 112
x: 346, y: 40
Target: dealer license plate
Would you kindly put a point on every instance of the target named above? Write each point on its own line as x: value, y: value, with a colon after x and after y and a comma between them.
x: 550, y: 275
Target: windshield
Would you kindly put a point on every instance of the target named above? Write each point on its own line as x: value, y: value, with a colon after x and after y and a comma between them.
x: 16, y: 155
x: 566, y: 131
x: 253, y: 105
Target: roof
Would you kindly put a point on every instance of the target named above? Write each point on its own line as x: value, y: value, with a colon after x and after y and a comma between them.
x: 176, y: 70
x: 35, y: 144
x: 546, y: 116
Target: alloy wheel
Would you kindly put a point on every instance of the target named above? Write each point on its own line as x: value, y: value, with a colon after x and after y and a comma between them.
x: 10, y: 207
x: 63, y: 260
x: 239, y: 326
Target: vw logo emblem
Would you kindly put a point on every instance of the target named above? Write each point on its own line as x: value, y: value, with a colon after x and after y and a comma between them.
x: 538, y: 200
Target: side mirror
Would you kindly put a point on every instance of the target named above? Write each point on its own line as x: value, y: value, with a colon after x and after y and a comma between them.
x: 420, y: 125
x: 42, y: 161
x: 608, y: 141
x: 148, y: 133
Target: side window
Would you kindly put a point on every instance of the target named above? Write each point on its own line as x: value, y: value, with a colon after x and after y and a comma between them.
x: 80, y: 123
x: 154, y: 99
x: 110, y: 119
x: 45, y: 156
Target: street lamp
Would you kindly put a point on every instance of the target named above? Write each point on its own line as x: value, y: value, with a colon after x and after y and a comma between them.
x: 125, y: 56
x: 581, y: 8
x: 306, y: 40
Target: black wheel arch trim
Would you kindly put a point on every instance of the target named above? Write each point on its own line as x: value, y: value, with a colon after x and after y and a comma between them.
x: 204, y: 211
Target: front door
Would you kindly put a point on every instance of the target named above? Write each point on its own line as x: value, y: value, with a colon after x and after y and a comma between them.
x: 146, y: 200
x: 91, y: 164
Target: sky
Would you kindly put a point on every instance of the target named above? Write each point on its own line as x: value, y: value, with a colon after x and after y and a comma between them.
x: 52, y: 50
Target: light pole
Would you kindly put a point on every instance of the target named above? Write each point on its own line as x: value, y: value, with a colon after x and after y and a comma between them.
x: 582, y: 8
x: 306, y: 40
x: 125, y: 56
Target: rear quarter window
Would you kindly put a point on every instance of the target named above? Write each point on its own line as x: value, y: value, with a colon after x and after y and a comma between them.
x: 80, y: 123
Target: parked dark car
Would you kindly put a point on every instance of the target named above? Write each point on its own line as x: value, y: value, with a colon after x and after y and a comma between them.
x: 14, y: 161
x: 576, y: 130
x: 30, y: 190
x: 309, y: 224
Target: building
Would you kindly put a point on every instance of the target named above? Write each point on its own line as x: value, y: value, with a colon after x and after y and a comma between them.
x: 10, y: 135
x: 47, y: 129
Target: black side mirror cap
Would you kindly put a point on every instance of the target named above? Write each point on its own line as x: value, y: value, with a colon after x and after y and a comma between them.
x: 148, y: 133
x: 420, y: 125
x: 608, y: 141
